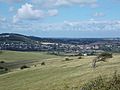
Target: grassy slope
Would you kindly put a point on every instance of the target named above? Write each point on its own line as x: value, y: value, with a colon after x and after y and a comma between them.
x: 58, y: 74
x: 10, y: 56
x: 14, y: 60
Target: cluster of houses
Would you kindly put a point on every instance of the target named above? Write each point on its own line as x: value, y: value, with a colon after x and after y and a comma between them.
x: 24, y: 43
x: 61, y: 47
x: 45, y: 46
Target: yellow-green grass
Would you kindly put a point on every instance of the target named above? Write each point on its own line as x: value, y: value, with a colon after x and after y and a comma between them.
x: 58, y: 74
x: 15, y: 60
x: 10, y: 56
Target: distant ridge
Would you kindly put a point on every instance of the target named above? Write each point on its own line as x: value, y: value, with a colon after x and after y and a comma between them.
x: 14, y: 37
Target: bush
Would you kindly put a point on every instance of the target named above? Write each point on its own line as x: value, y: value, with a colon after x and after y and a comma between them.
x: 101, y: 57
x: 68, y: 59
x: 80, y: 57
x: 35, y: 65
x: 43, y: 63
x: 1, y: 52
x: 105, y: 55
x: 6, y: 69
x: 102, y: 83
x: 2, y: 61
x: 24, y: 66
x: 1, y: 67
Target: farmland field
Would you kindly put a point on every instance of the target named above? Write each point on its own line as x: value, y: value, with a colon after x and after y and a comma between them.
x: 56, y: 74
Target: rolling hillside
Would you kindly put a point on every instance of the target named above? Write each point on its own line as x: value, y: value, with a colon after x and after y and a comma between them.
x: 57, y: 74
x: 7, y: 37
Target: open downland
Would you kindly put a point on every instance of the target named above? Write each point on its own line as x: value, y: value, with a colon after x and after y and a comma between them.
x: 11, y: 56
x: 14, y: 60
x: 57, y: 74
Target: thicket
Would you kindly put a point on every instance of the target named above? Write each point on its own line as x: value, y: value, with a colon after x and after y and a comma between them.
x: 103, y: 83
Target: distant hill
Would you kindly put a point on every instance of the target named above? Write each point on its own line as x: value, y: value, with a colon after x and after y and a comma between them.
x: 19, y: 42
x: 15, y: 37
x: 30, y: 39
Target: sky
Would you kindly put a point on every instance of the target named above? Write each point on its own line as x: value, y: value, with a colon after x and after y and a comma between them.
x: 61, y: 18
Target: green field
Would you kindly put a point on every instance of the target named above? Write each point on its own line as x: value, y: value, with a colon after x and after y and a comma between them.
x: 57, y: 74
x: 17, y: 56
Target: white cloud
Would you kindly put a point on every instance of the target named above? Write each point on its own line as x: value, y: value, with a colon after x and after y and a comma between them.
x: 80, y: 26
x: 90, y: 25
x: 2, y: 19
x: 53, y: 12
x: 12, y: 9
x: 56, y: 3
x: 99, y: 14
x: 50, y: 3
x: 12, y: 1
x: 27, y: 12
x: 83, y: 1
x: 53, y: 3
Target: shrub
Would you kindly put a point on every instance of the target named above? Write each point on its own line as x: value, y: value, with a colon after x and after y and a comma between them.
x: 105, y: 55
x: 35, y: 65
x: 1, y: 67
x: 68, y: 59
x: 43, y: 63
x: 24, y: 66
x: 2, y: 61
x: 6, y: 69
x: 80, y: 57
x: 101, y: 57
x: 102, y: 83
x: 1, y: 52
